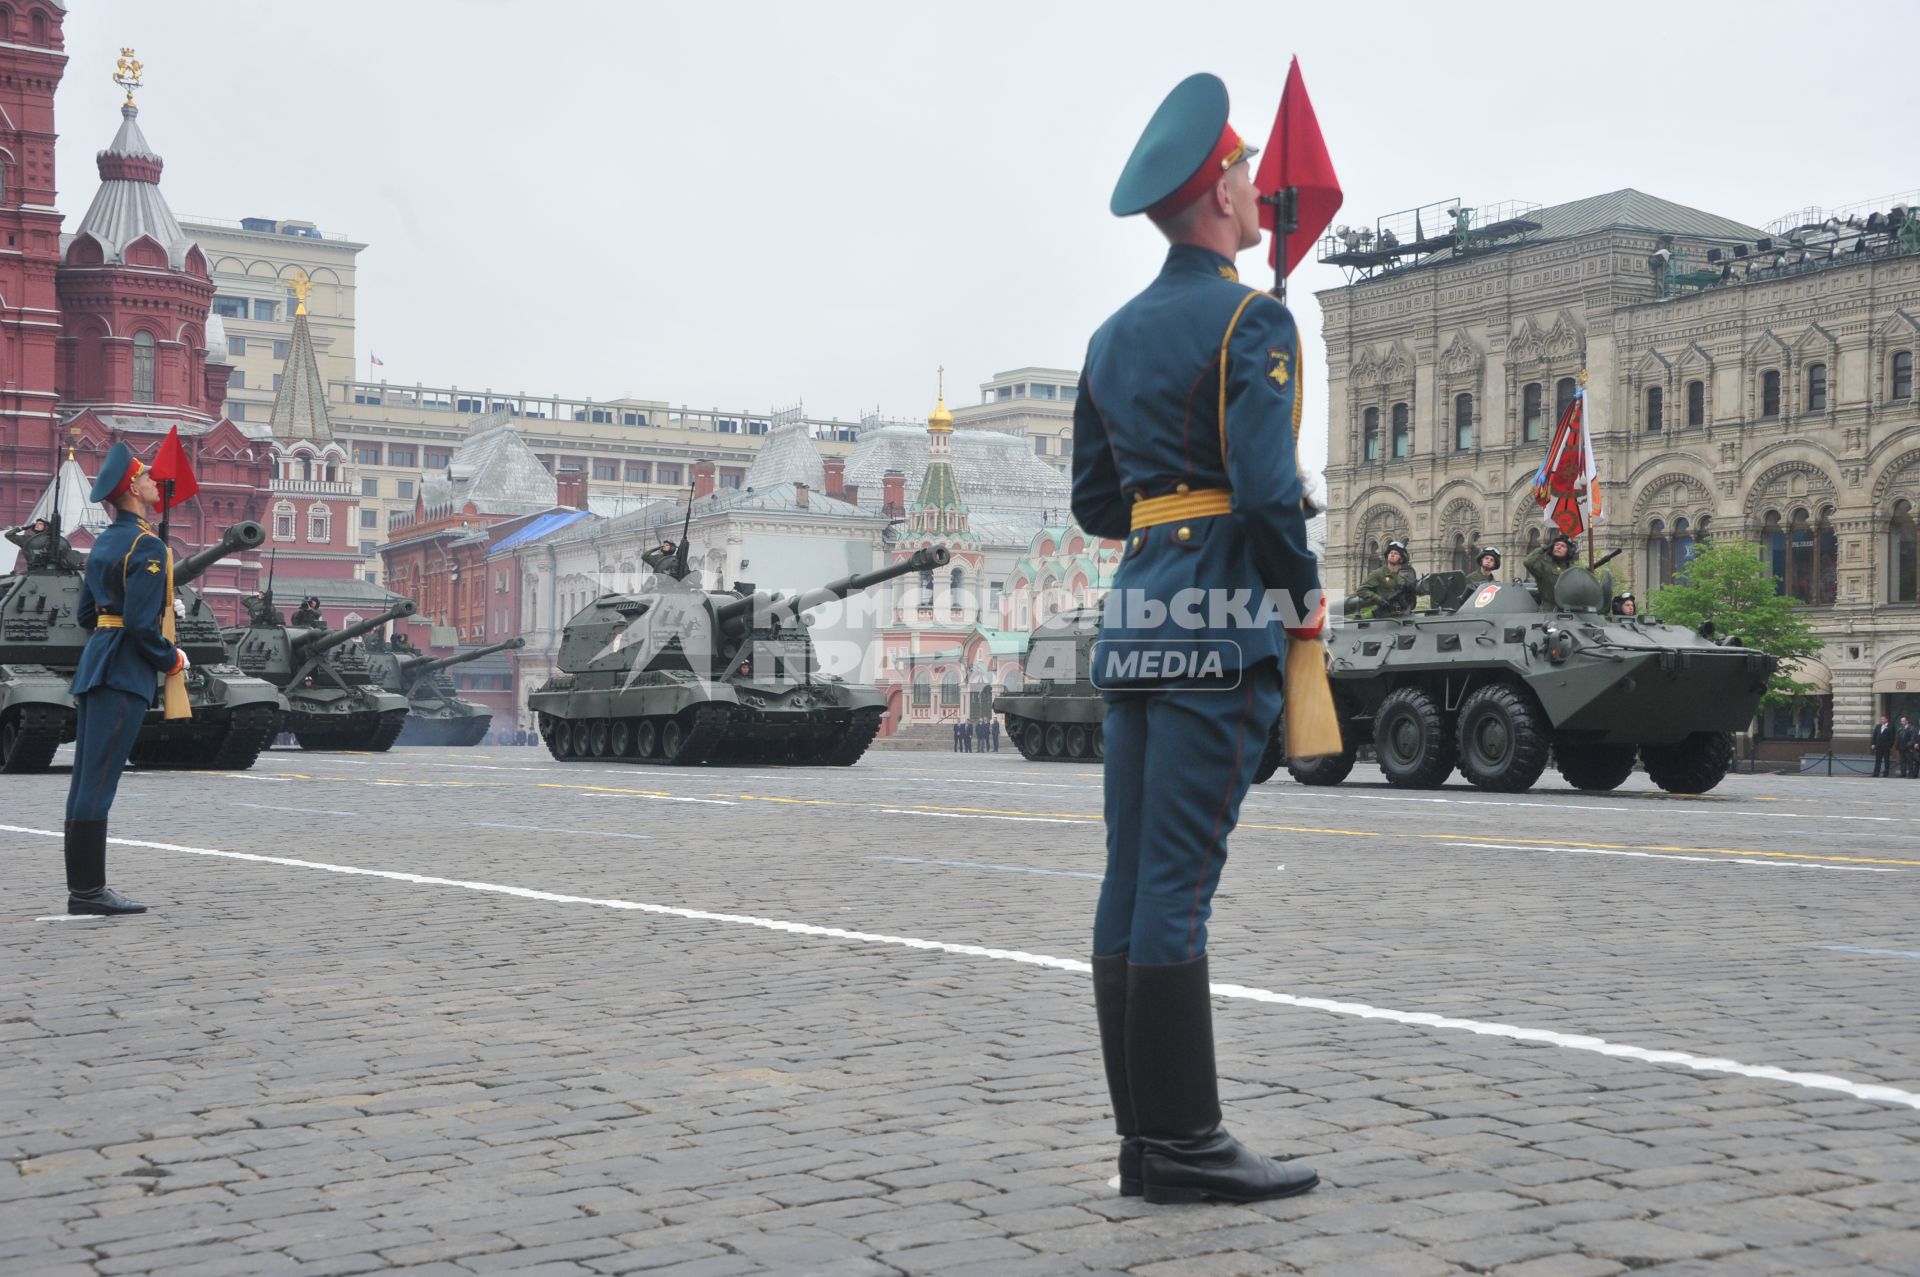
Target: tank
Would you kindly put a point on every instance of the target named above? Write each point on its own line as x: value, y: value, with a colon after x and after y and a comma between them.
x: 1496, y: 684
x: 436, y: 715
x: 1058, y: 715
x: 235, y: 714
x: 683, y: 676
x: 40, y: 644
x: 325, y: 676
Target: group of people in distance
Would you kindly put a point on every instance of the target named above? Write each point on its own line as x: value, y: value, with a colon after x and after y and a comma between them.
x: 1393, y: 588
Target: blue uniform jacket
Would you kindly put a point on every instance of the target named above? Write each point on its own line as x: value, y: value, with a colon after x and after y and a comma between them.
x: 1146, y: 420
x: 127, y: 576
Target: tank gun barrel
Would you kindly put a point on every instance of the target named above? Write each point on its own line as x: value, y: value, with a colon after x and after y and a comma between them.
x: 313, y: 642
x: 460, y: 658
x: 922, y: 560
x: 241, y: 536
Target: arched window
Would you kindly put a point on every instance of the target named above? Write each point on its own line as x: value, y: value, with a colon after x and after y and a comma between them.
x: 1461, y: 550
x: 283, y: 521
x: 1903, y: 586
x: 1370, y: 435
x: 1562, y: 396
x: 142, y: 363
x: 1462, y: 422
x: 950, y: 690
x: 319, y: 524
x: 1902, y: 375
x: 922, y: 691
x: 1816, y: 387
x: 1770, y: 393
x: 1533, y: 538
x: 1696, y: 403
x: 1809, y: 553
x: 306, y: 466
x: 1656, y: 410
x: 926, y: 588
x: 1533, y: 422
x: 1668, y: 550
x: 1402, y: 431
x: 39, y: 27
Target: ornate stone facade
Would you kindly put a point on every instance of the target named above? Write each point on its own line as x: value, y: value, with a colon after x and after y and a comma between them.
x: 1777, y: 407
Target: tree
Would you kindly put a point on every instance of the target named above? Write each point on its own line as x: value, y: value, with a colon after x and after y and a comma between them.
x: 1727, y: 583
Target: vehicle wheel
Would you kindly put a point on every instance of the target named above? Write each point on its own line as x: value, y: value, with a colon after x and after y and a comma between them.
x: 1412, y: 740
x: 619, y: 737
x: 1503, y: 738
x: 1593, y: 766
x: 1078, y: 744
x: 1693, y: 766
x: 646, y: 738
x: 672, y: 737
x: 1330, y: 770
x: 1100, y: 742
x: 1037, y: 740
x: 597, y: 734
x: 1273, y: 756
x: 1056, y: 740
x: 560, y: 739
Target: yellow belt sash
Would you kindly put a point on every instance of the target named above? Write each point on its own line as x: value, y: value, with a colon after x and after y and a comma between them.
x: 173, y: 697
x: 1151, y: 512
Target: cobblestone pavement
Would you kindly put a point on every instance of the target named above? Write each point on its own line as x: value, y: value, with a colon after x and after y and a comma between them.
x: 474, y: 1011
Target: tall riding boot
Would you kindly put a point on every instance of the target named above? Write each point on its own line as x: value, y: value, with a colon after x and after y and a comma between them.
x: 87, y: 889
x: 1110, y: 1004
x: 1186, y: 1155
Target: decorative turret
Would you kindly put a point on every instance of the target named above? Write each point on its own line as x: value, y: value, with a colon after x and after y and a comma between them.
x: 938, y: 510
x: 300, y: 405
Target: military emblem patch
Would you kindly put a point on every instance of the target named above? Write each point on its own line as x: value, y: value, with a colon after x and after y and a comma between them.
x: 1486, y: 595
x: 154, y: 568
x: 1279, y: 368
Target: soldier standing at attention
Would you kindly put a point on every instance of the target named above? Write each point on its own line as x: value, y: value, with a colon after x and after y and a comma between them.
x: 1547, y: 563
x: 1488, y: 571
x: 129, y: 584
x: 1184, y: 447
x: 1391, y: 588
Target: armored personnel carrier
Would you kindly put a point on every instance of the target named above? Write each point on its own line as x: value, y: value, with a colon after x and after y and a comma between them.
x: 683, y: 676
x: 41, y: 639
x: 1058, y: 714
x: 1494, y: 683
x: 332, y: 699
x: 436, y: 714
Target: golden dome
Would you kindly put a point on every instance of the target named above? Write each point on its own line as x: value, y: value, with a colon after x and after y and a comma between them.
x: 940, y: 420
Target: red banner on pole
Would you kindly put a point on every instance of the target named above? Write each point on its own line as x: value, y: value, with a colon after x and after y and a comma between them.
x: 170, y: 463
x: 1296, y: 156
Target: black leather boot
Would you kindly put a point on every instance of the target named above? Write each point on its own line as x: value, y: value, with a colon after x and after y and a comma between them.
x: 1186, y: 1155
x: 1110, y: 1004
x: 87, y: 889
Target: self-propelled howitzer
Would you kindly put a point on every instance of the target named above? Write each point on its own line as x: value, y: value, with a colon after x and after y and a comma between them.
x: 436, y: 713
x: 234, y: 714
x: 680, y: 675
x: 327, y: 679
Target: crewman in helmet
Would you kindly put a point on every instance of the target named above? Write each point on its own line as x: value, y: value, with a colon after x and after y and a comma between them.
x: 1390, y: 589
x: 1489, y: 570
x: 1547, y: 563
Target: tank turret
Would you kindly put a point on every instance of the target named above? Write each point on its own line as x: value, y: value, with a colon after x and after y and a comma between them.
x: 683, y: 676
x: 426, y: 667
x: 333, y: 700
x: 317, y: 642
x: 436, y: 713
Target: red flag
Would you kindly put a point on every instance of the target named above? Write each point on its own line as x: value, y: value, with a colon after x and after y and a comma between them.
x: 171, y: 463
x: 1567, y: 473
x: 1296, y: 156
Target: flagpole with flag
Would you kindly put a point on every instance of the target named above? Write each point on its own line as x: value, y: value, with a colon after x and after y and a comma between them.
x: 1569, y: 473
x: 1299, y: 193
x: 172, y: 471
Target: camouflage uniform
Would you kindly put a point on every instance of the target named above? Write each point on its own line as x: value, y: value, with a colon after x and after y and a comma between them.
x: 1388, y: 591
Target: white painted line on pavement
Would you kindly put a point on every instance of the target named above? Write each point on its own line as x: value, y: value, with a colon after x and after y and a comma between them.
x: 1871, y: 1091
x: 1878, y: 953
x: 1667, y: 855
x: 977, y: 815
x: 311, y: 811
x: 666, y: 798
x: 73, y: 917
x: 978, y: 864
x: 1715, y: 810
x: 543, y: 829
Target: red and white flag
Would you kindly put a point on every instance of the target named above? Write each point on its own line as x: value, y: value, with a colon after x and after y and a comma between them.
x: 1569, y: 474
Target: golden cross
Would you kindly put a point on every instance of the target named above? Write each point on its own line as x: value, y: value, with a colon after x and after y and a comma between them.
x: 301, y: 287
x: 943, y: 382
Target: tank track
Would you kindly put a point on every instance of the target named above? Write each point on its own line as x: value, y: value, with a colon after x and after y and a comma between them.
x: 703, y: 740
x: 386, y: 731
x: 252, y: 729
x: 859, y: 733
x: 36, y: 734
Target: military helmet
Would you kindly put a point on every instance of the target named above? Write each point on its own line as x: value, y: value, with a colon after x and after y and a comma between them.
x: 312, y: 600
x: 1395, y: 545
x: 1627, y: 597
x: 1485, y: 550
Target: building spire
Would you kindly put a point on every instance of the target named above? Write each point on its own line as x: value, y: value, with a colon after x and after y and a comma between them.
x: 940, y: 421
x: 300, y: 405
x: 126, y: 73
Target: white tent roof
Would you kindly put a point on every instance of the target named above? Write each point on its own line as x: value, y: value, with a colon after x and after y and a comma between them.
x: 78, y: 511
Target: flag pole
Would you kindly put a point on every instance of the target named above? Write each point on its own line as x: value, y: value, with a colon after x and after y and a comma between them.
x: 1286, y: 220
x: 166, y: 507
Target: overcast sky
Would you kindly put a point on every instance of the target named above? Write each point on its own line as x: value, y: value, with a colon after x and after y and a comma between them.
x: 744, y: 204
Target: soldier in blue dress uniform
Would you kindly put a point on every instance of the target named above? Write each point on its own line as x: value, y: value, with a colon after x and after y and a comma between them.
x: 129, y: 571
x: 1184, y: 447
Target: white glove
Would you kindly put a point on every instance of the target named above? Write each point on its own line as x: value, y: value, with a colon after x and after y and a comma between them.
x: 180, y: 608
x: 1313, y: 491
x: 184, y: 664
